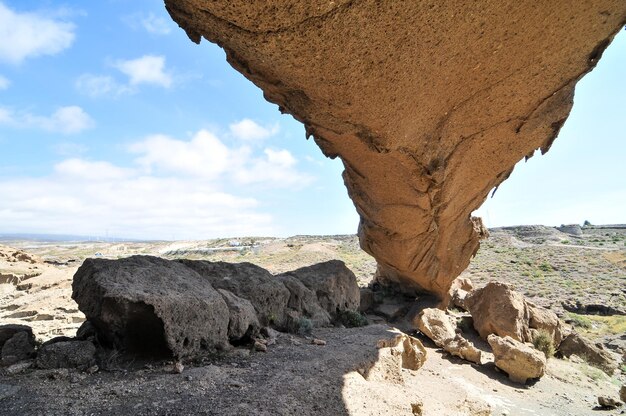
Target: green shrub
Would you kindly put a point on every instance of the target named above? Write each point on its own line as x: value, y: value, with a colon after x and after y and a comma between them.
x: 580, y: 321
x: 351, y: 319
x: 305, y: 326
x: 544, y: 343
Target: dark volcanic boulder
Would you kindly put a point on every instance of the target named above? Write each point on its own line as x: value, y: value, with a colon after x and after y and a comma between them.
x: 20, y: 347
x: 242, y: 320
x: 7, y: 332
x: 332, y: 282
x: 268, y: 295
x: 304, y: 301
x: 151, y: 305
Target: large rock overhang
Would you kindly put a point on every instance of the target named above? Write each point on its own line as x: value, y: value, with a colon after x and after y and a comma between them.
x: 429, y: 104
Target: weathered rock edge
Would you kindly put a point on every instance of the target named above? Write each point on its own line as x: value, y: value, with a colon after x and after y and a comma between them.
x: 429, y: 105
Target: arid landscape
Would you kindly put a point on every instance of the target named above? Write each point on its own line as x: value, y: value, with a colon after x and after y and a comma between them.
x: 578, y: 273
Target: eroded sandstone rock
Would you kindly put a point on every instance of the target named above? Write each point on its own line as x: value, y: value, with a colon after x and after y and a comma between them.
x: 496, y: 309
x: 520, y: 361
x: 595, y: 355
x: 428, y: 105
x: 396, y: 352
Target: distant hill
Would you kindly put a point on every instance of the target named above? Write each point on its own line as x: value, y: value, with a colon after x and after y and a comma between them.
x: 60, y: 238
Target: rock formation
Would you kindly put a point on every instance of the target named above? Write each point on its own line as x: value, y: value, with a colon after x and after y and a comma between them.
x: 520, y: 361
x: 187, y: 308
x: 428, y: 104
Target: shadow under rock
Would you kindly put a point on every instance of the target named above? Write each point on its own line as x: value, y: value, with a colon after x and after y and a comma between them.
x: 293, y: 377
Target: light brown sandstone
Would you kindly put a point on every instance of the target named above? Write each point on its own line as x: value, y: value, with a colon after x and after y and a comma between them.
x: 429, y: 105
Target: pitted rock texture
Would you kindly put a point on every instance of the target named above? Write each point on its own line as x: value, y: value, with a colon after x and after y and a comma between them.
x: 428, y: 104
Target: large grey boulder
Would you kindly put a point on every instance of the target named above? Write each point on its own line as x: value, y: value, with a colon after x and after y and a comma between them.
x: 333, y: 283
x: 246, y: 280
x: 151, y: 305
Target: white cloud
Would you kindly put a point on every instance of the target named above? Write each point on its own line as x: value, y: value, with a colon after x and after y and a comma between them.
x: 66, y: 120
x: 126, y: 206
x: 26, y: 35
x: 247, y: 129
x: 155, y: 24
x: 190, y: 189
x: 151, y: 23
x: 4, y: 83
x: 148, y: 69
x: 206, y: 156
x: 100, y: 85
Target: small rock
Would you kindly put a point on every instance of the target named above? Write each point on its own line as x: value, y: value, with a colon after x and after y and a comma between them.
x: 622, y: 393
x: 416, y: 408
x: 20, y: 347
x: 18, y: 368
x: 7, y: 332
x: 178, y: 367
x: 93, y: 369
x: 258, y: 346
x: 72, y: 354
x: 188, y: 378
x: 608, y: 402
x: 316, y: 341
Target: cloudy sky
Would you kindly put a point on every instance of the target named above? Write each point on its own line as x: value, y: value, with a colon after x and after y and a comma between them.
x: 112, y: 123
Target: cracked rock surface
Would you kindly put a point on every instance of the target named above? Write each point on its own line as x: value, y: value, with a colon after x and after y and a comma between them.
x: 429, y: 105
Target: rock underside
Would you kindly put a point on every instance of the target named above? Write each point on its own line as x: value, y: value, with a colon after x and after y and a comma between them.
x: 429, y: 105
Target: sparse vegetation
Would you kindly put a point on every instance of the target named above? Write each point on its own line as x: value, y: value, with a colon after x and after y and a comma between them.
x: 579, y: 321
x: 543, y: 342
x: 351, y: 319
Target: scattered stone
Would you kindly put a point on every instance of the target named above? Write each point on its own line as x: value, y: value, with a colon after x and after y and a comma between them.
x: 73, y: 354
x: 259, y: 346
x: 394, y: 354
x: 439, y: 327
x: 18, y: 368
x: 462, y: 348
x: 333, y: 283
x: 19, y: 347
x: 417, y: 408
x: 316, y: 341
x: 576, y: 344
x: 151, y: 306
x: 242, y: 321
x: 520, y: 361
x: 622, y: 393
x: 93, y: 369
x: 178, y: 367
x: 436, y: 325
x: 608, y: 402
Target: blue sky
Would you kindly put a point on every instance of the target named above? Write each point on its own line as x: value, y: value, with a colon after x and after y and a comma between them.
x: 113, y: 123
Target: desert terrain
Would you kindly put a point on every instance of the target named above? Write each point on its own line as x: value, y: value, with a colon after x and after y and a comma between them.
x: 579, y: 274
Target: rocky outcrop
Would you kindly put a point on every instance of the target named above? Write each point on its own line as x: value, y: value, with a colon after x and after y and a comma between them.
x: 429, y: 106
x: 151, y: 305
x: 19, y: 347
x: 595, y: 355
x: 517, y: 359
x: 187, y: 308
x: 333, y: 284
x: 496, y: 309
